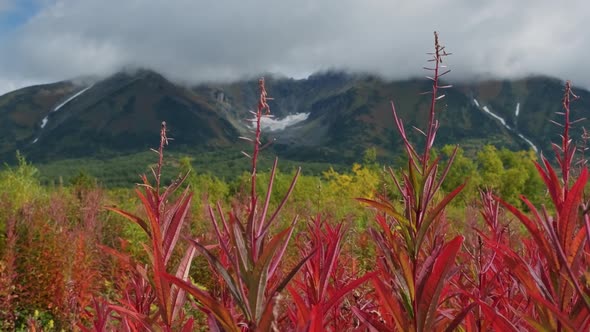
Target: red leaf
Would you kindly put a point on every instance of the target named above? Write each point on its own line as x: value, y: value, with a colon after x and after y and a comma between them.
x: 222, y: 315
x: 541, y: 240
x: 303, y: 314
x: 460, y: 317
x: 170, y: 237
x: 188, y: 326
x: 391, y: 306
x: 384, y: 207
x: 136, y: 316
x: 131, y: 217
x: 372, y: 324
x: 435, y: 213
x: 429, y: 296
x: 497, y: 320
x: 229, y: 281
x: 568, y: 215
x: 179, y: 294
x: 561, y: 316
x: 342, y: 292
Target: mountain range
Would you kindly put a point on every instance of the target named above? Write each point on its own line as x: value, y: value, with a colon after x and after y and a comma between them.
x: 328, y: 117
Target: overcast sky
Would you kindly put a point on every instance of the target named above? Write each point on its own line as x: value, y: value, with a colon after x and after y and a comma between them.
x: 199, y: 40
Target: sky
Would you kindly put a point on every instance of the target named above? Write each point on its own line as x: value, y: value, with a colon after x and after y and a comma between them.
x: 193, y: 41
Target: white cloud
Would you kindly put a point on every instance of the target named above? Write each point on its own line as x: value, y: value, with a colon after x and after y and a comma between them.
x: 6, y: 5
x: 199, y: 40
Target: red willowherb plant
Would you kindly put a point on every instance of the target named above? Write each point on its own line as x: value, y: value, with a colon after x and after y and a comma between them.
x: 101, y: 314
x: 415, y: 259
x: 249, y: 259
x: 42, y: 266
x: 484, y: 283
x: 319, y: 291
x: 8, y: 277
x: 424, y: 280
x: 555, y: 272
x: 151, y: 300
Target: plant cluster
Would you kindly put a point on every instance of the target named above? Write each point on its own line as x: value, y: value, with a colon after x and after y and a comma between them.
x: 258, y: 264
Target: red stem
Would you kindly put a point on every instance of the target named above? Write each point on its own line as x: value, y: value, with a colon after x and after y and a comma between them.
x: 163, y: 141
x: 431, y: 125
x: 262, y: 105
x: 565, y: 145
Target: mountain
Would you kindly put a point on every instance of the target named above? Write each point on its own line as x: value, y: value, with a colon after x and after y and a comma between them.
x: 349, y: 113
x: 120, y: 114
x: 329, y: 117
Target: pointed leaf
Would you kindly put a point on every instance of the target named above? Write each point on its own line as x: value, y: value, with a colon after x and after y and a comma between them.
x: 432, y: 215
x: 302, y: 307
x: 182, y: 273
x: 345, y: 290
x: 279, y: 288
x: 460, y: 317
x: 372, y: 324
x: 532, y: 227
x: 429, y: 297
x: 267, y: 199
x: 134, y: 315
x: 559, y: 315
x: 131, y: 217
x: 173, y: 231
x: 384, y: 207
x: 276, y: 259
x: 568, y: 216
x: 222, y: 315
x: 229, y: 281
x: 497, y: 320
x: 282, y: 203
x: 392, y: 307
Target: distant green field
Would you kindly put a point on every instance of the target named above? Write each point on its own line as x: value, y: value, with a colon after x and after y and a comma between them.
x: 124, y: 170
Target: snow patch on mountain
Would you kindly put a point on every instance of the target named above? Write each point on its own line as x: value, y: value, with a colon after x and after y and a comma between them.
x: 503, y: 122
x: 56, y: 108
x: 497, y: 117
x: 273, y: 124
x: 72, y: 98
x: 529, y: 142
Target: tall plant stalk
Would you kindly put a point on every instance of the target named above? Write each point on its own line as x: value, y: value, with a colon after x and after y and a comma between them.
x: 415, y: 260
x: 249, y: 259
x: 556, y: 281
x: 164, y: 308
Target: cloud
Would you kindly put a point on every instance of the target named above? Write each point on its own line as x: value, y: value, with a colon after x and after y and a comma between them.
x: 6, y: 5
x: 201, y: 40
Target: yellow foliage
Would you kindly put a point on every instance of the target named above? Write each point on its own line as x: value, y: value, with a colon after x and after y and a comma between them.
x: 361, y: 182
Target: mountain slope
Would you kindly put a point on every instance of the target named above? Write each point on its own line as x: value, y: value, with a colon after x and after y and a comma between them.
x: 340, y: 115
x: 121, y: 114
x: 538, y: 100
x: 22, y: 112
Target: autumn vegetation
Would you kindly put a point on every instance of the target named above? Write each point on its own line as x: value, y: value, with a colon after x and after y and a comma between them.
x: 499, y: 241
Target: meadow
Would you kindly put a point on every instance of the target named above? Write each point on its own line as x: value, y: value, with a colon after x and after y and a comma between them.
x: 442, y: 241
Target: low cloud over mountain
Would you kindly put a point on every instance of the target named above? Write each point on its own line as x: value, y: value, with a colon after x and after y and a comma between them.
x: 196, y: 41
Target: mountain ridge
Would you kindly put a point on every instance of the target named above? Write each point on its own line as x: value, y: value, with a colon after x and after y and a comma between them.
x: 344, y: 115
